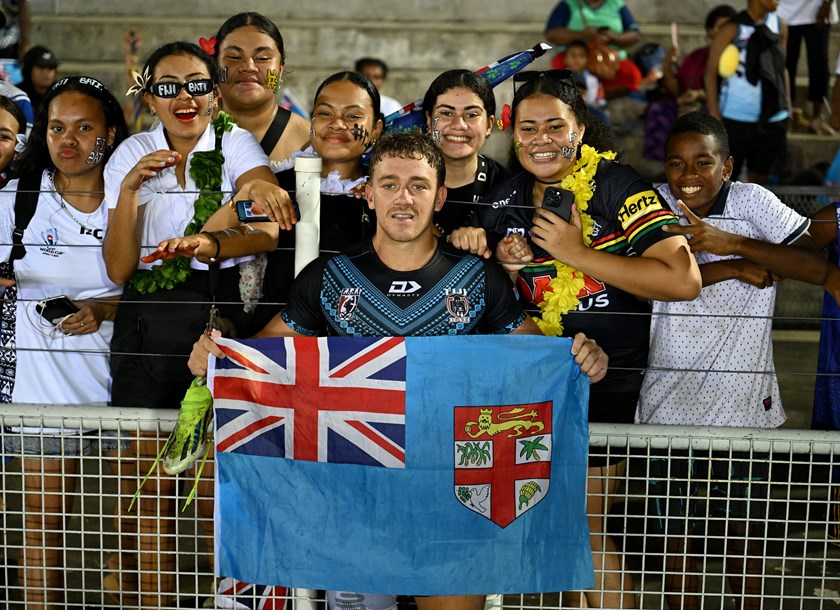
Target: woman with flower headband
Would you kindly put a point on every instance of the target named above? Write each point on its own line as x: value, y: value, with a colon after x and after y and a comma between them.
x: 250, y: 53
x: 165, y: 182
x: 610, y: 257
x: 460, y: 108
x: 58, y: 358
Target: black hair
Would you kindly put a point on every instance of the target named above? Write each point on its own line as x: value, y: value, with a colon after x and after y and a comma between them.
x: 364, y: 62
x: 722, y: 10
x: 261, y: 22
x: 597, y: 135
x: 460, y: 78
x: 9, y: 106
x: 181, y: 47
x: 409, y: 145
x: 361, y: 81
x: 706, y: 124
x: 36, y: 156
x: 578, y: 43
x: 29, y: 60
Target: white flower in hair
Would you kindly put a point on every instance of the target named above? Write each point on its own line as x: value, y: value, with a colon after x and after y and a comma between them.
x: 22, y: 139
x: 141, y: 81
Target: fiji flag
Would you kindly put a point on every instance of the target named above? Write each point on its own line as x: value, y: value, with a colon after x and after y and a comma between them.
x: 425, y: 466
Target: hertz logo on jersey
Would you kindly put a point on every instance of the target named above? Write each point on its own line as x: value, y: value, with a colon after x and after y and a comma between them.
x: 636, y: 207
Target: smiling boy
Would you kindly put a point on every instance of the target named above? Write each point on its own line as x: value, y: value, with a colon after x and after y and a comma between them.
x: 744, y: 239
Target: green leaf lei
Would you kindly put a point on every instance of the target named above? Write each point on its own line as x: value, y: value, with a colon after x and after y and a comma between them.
x: 206, y: 171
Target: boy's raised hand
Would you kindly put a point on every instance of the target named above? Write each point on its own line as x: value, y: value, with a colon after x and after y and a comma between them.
x: 703, y: 236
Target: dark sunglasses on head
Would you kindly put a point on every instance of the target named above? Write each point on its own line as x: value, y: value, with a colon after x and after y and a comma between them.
x: 563, y: 76
x: 168, y: 89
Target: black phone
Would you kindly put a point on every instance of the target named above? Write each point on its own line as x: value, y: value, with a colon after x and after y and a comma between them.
x: 246, y: 214
x: 559, y: 201
x: 55, y: 308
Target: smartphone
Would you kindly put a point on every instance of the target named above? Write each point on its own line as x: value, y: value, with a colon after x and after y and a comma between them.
x: 559, y: 201
x: 55, y: 308
x: 245, y: 214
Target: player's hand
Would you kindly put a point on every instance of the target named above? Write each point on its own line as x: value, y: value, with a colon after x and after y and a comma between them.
x: 201, y: 352
x: 471, y: 239
x: 592, y: 359
x: 514, y: 252
x: 704, y: 237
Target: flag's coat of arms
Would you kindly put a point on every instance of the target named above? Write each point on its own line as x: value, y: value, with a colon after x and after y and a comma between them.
x: 314, y: 400
x: 502, y: 459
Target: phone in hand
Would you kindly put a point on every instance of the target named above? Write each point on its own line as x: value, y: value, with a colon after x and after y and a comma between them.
x: 245, y: 213
x: 55, y: 308
x: 559, y: 201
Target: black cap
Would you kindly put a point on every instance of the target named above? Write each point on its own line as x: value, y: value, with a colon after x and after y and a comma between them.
x: 42, y: 57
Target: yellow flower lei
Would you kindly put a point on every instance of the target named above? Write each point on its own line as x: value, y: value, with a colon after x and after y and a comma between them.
x: 564, y: 289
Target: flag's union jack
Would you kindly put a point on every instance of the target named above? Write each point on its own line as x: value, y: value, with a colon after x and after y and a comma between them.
x: 332, y: 399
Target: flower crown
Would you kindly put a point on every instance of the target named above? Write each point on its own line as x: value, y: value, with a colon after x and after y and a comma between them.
x: 141, y: 82
x: 503, y: 122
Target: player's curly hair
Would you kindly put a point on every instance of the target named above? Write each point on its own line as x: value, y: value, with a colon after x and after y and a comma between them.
x: 409, y: 145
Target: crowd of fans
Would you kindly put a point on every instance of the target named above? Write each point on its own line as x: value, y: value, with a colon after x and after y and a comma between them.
x: 141, y: 237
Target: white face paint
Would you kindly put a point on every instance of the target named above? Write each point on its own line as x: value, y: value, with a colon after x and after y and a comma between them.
x: 568, y: 152
x: 435, y: 131
x: 95, y: 156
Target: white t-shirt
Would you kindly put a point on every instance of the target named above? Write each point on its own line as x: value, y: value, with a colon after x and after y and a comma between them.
x: 727, y: 328
x: 804, y: 12
x: 58, y: 369
x: 169, y: 208
x: 388, y: 105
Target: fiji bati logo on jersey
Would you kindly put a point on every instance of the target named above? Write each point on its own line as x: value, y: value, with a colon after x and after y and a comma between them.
x: 347, y: 303
x: 457, y: 305
x: 502, y: 459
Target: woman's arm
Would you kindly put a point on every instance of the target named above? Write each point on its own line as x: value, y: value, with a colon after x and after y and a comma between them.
x: 666, y: 271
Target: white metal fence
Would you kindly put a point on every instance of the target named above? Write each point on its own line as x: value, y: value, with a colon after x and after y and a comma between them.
x: 789, y: 560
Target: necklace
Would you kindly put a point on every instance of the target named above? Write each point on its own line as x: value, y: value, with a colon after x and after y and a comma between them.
x: 565, y: 287
x: 63, y: 205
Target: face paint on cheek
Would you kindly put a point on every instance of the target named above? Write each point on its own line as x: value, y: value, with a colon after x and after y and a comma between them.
x: 360, y: 133
x: 209, y: 109
x: 95, y: 156
x: 568, y: 152
x: 572, y: 136
x: 435, y: 131
x: 312, y: 131
x: 517, y: 145
x: 223, y: 76
x: 272, y: 80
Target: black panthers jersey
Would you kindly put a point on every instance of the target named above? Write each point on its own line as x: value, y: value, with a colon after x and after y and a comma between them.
x: 628, y: 219
x: 355, y: 294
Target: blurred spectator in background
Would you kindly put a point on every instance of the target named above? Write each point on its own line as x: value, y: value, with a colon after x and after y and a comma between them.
x: 376, y: 72
x: 810, y: 20
x: 39, y: 70
x: 598, y: 23
x: 15, y: 27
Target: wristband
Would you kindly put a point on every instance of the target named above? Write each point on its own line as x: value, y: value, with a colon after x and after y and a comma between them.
x: 215, y: 240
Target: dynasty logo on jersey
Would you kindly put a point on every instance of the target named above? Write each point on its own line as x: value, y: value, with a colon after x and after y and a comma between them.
x: 403, y: 287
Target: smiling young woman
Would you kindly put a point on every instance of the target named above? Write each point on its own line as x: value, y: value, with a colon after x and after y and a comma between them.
x: 151, y: 187
x: 252, y: 58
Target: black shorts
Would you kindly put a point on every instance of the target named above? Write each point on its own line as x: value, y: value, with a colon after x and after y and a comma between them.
x: 762, y: 147
x: 737, y: 487
x: 611, y: 408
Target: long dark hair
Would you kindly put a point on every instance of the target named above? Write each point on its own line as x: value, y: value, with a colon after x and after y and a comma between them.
x: 261, y: 22
x: 360, y: 81
x: 460, y: 78
x: 181, y: 47
x: 36, y: 156
x: 597, y: 135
